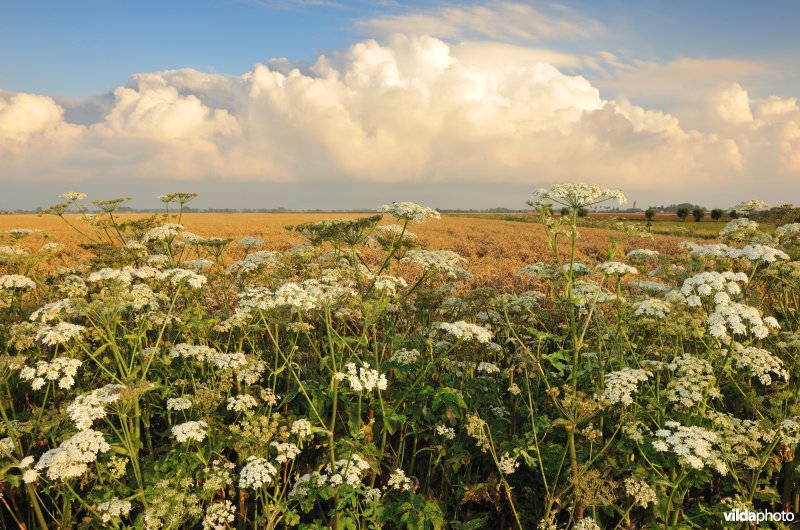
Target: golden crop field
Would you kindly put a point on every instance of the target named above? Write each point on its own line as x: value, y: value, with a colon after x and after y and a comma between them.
x: 494, y: 248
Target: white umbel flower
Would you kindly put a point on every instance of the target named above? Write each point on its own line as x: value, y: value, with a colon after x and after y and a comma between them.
x: 615, y: 268
x: 508, y: 464
x: 71, y: 459
x: 16, y: 281
x: 578, y: 195
x: 363, y: 378
x: 399, y: 481
x: 114, y: 509
x: 409, y: 211
x: 190, y: 430
x: 467, y: 332
x: 257, y: 472
x: 622, y: 384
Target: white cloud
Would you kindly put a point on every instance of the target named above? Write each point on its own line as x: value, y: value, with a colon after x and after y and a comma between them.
x: 413, y: 109
x: 733, y: 105
x: 496, y: 20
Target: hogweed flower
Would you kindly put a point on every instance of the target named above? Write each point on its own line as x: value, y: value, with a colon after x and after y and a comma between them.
x: 732, y: 319
x: 362, y: 379
x: 642, y: 254
x: 61, y: 333
x: 643, y: 494
x: 73, y: 196
x: 448, y: 433
x: 165, y: 232
x: 508, y: 464
x: 752, y: 205
x: 242, y: 403
x: 16, y: 281
x: 652, y: 307
x: 257, y: 472
x: 190, y: 430
x: 622, y: 384
x: 578, y: 195
x: 761, y: 363
x: 399, y: 481
x: 615, y: 268
x: 788, y: 231
x: 90, y: 407
x: 347, y: 471
x: 179, y: 403
x: 114, y: 509
x: 71, y: 458
x: 467, y: 332
x: 694, y: 446
x: 219, y: 516
x: 409, y: 211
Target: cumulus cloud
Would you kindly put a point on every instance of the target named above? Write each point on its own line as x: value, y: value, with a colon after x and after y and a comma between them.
x: 412, y: 109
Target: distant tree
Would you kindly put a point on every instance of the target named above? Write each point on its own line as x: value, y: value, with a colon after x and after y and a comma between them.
x: 682, y: 213
x: 716, y: 214
x: 564, y: 211
x: 650, y: 213
x: 698, y: 213
x: 734, y: 214
x: 583, y: 212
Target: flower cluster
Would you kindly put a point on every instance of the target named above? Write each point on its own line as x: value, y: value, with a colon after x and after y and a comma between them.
x: 363, y: 378
x: 621, y: 385
x: 165, y: 232
x: 409, y: 211
x: 62, y: 369
x: 256, y: 473
x: 71, y: 459
x: 16, y: 281
x: 399, y: 481
x: 444, y: 262
x: 219, y: 516
x: 578, y: 195
x: 651, y: 307
x: 190, y: 430
x: 90, y: 407
x: 761, y: 363
x: 694, y: 380
x: 713, y: 283
x: 732, y: 319
x: 114, y: 509
x: 615, y: 268
x: 643, y: 494
x: 695, y: 446
x: 467, y: 332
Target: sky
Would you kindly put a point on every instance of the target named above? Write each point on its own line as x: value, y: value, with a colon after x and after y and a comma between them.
x: 348, y: 104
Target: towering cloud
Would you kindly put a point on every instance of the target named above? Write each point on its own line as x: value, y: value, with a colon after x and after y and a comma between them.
x: 409, y: 109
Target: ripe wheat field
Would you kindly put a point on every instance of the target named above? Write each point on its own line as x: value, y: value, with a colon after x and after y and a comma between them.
x: 495, y: 248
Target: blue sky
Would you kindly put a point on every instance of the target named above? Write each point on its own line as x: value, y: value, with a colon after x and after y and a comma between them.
x: 78, y: 49
x: 709, y: 79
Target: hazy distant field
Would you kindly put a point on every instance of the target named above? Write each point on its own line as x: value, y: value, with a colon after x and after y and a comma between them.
x: 494, y: 246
